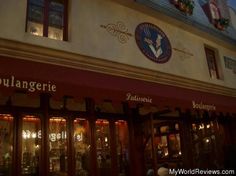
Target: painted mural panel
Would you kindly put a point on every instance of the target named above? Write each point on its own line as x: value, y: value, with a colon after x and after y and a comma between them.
x: 214, y: 16
x: 232, y: 12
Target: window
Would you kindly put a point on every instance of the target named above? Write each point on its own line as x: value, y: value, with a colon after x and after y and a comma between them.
x: 31, y: 140
x: 103, y: 147
x: 204, y: 143
x: 58, y: 146
x: 214, y: 10
x: 122, y: 146
x: 6, y: 144
x: 219, y: 14
x: 47, y: 18
x: 167, y: 141
x: 211, y: 61
x: 218, y: 9
x: 82, y: 146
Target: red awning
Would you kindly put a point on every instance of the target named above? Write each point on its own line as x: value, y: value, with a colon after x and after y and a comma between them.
x: 80, y: 83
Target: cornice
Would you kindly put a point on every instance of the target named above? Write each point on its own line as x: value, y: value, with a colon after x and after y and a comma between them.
x: 41, y: 54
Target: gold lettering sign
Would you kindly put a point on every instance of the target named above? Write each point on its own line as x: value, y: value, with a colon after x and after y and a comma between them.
x: 31, y: 86
x: 203, y: 106
x: 133, y: 97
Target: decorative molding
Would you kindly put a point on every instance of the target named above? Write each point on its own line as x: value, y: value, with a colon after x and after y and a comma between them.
x: 41, y: 54
x: 118, y: 30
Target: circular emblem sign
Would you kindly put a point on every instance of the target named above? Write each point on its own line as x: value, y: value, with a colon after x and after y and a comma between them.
x: 153, y: 42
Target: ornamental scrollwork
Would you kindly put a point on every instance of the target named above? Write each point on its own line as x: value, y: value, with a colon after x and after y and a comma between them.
x: 118, y: 30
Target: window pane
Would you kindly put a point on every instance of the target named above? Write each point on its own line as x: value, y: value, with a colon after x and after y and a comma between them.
x: 57, y: 146
x: 177, y: 126
x: 174, y: 145
x: 56, y: 18
x: 35, y: 13
x: 164, y: 129
x: 37, y: 2
x: 35, y: 17
x: 207, y: 146
x: 122, y: 142
x: 6, y: 144
x: 55, y: 33
x: 56, y: 23
x: 161, y: 146
x: 82, y: 147
x: 35, y: 28
x: 31, y: 140
x: 103, y: 147
x: 211, y: 60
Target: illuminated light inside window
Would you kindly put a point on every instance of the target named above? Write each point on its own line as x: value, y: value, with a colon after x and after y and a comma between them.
x: 35, y: 28
x: 101, y: 122
x: 30, y: 154
x: 201, y: 127
x: 57, y: 120
x: 6, y: 117
x: 51, y: 23
x: 55, y: 33
x: 58, y: 146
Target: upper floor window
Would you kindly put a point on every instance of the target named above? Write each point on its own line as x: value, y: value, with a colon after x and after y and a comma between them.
x: 212, y: 64
x: 214, y: 10
x: 47, y: 18
x: 219, y: 13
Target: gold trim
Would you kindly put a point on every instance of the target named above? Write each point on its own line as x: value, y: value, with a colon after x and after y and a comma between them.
x: 52, y: 56
x: 118, y: 30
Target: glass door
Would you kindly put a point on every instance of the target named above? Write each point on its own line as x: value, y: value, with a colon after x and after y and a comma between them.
x: 204, y: 137
x: 167, y: 141
x: 163, y: 145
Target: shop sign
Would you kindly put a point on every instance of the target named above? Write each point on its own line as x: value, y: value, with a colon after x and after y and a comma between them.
x: 203, y: 106
x: 31, y: 86
x: 153, y: 42
x: 137, y: 98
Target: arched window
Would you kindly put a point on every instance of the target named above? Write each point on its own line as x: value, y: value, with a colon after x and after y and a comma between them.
x: 214, y: 10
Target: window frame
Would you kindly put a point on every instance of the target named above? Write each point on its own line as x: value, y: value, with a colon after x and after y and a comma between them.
x: 65, y: 171
x: 45, y: 21
x: 21, y: 142
x: 199, y: 134
x: 208, y: 52
x: 171, y: 131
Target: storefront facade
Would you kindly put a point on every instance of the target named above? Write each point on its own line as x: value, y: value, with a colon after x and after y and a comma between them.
x: 115, y: 96
x: 50, y: 127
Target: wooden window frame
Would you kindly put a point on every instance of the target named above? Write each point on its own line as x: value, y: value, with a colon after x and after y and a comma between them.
x: 173, y: 131
x: 211, y: 52
x: 45, y: 22
x: 44, y: 113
